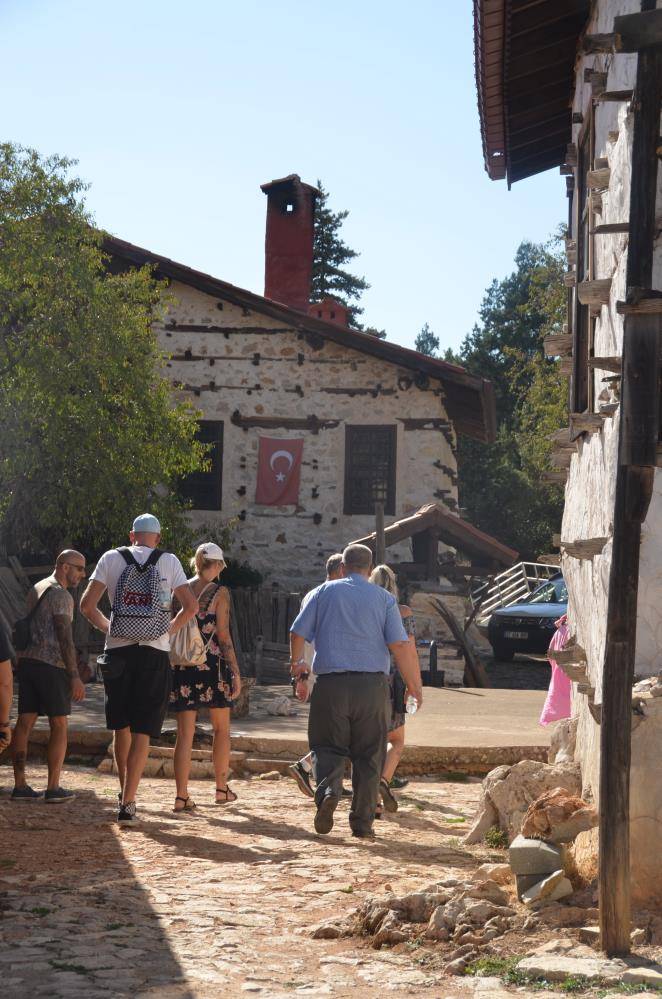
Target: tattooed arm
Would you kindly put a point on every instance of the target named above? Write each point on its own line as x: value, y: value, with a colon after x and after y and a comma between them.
x: 222, y: 608
x: 65, y: 639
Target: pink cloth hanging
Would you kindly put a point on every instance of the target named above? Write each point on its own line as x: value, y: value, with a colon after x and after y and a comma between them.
x: 557, y: 703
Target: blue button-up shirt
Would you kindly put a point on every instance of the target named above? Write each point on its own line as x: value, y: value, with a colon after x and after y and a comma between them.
x: 351, y: 621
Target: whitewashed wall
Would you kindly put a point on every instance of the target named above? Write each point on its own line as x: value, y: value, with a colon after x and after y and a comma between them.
x: 591, y: 483
x: 287, y: 545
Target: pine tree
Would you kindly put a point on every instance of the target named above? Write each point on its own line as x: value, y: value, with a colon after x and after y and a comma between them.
x: 426, y: 342
x: 330, y: 254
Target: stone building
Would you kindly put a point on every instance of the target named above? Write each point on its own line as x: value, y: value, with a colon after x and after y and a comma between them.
x: 378, y: 422
x: 577, y: 85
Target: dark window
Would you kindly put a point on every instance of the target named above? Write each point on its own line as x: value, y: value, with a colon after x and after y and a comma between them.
x: 369, y: 469
x: 204, y: 489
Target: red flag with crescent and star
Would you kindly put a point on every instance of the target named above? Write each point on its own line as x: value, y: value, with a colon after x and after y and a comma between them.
x: 278, y: 471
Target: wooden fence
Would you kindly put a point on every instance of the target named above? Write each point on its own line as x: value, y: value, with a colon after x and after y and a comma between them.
x: 266, y: 611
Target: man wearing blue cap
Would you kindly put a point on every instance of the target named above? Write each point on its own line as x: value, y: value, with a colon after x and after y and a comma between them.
x: 135, y: 666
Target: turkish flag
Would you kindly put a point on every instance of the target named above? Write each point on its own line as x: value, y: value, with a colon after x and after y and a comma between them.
x: 278, y: 471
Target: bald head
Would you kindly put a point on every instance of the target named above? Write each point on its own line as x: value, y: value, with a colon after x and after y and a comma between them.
x: 70, y: 568
x: 334, y: 566
x: 357, y: 558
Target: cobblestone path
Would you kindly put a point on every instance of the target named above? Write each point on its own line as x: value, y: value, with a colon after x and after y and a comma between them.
x: 218, y: 903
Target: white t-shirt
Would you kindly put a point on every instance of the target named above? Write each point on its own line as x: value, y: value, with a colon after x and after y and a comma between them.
x: 110, y: 567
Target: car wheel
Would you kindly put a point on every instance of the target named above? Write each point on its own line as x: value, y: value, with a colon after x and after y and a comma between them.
x: 503, y: 653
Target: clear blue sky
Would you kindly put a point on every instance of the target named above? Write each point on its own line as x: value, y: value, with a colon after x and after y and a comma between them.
x: 178, y: 112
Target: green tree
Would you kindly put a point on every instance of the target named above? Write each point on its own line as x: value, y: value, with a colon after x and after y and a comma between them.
x: 330, y: 255
x: 500, y: 483
x: 91, y: 433
x: 427, y: 342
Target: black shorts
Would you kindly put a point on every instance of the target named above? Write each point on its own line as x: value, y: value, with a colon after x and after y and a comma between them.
x: 43, y: 689
x: 137, y: 683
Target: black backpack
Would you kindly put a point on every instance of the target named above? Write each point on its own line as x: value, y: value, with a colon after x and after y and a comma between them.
x: 20, y: 635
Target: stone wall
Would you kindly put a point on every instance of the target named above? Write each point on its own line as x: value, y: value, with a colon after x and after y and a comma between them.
x: 591, y: 483
x: 258, y: 366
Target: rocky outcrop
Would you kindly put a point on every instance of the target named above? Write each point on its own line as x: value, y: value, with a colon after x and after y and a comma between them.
x: 508, y: 791
x: 558, y: 817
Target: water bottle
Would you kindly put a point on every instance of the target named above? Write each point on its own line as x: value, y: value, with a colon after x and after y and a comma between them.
x: 411, y: 707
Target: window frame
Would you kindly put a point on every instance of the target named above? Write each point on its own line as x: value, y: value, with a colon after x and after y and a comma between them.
x: 199, y: 482
x: 353, y: 430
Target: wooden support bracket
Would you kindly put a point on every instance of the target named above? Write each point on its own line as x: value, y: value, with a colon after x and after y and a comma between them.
x: 632, y: 33
x: 566, y: 365
x: 598, y: 180
x: 594, y: 293
x: 605, y: 364
x: 651, y: 305
x: 614, y: 96
x: 572, y: 654
x: 596, y: 711
x: 575, y: 673
x: 584, y: 548
x: 557, y: 345
x: 561, y: 459
x: 570, y: 279
x: 608, y: 408
x: 586, y: 423
x: 549, y: 558
x: 596, y: 202
x: 610, y: 228
x: 562, y: 438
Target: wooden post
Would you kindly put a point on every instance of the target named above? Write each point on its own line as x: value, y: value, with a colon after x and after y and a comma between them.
x: 380, y: 541
x: 634, y: 482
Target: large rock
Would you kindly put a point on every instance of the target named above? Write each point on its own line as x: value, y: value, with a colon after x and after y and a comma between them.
x: 558, y: 817
x: 534, y: 856
x: 508, y: 791
x: 558, y: 967
x: 500, y: 873
x: 551, y: 889
x: 563, y: 738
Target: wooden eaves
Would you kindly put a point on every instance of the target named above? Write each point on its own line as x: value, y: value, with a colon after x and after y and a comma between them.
x: 452, y: 530
x: 524, y: 61
x: 468, y: 399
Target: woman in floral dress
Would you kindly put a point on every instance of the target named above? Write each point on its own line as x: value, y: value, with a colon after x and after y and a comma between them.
x: 211, y: 687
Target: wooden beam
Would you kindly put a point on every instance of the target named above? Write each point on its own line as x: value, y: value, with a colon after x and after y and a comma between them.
x: 561, y: 459
x: 614, y: 96
x: 572, y: 653
x: 556, y: 478
x: 566, y: 366
x: 608, y: 408
x: 586, y: 423
x: 584, y: 548
x: 312, y: 423
x: 549, y: 558
x: 605, y: 363
x: 557, y: 345
x: 380, y: 542
x: 562, y: 438
x: 643, y: 307
x: 570, y: 279
x: 609, y: 228
x: 595, y: 292
x: 474, y: 667
x: 632, y: 33
x: 597, y: 80
x: 638, y: 431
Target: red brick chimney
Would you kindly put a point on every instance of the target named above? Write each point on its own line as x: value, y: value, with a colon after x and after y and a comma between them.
x: 288, y: 259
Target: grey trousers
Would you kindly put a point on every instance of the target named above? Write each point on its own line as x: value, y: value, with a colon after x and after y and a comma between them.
x: 349, y: 714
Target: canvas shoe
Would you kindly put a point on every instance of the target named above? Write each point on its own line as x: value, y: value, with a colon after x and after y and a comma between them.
x: 302, y: 777
x: 127, y: 813
x: 58, y: 795
x: 26, y: 794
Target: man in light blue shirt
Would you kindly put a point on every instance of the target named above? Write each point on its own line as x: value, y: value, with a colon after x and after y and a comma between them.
x: 354, y: 625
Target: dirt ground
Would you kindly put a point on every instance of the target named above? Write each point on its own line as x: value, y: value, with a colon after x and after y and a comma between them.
x: 220, y: 902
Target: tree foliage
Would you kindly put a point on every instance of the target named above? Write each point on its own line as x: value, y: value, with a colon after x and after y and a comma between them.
x: 330, y: 255
x: 500, y: 484
x: 427, y: 342
x: 91, y: 435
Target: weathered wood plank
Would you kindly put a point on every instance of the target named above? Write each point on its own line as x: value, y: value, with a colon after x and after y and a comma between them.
x: 610, y: 228
x: 605, y: 363
x: 594, y: 292
x: 584, y: 548
x: 557, y: 345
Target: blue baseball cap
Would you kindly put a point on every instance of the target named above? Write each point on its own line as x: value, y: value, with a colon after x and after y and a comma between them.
x: 146, y: 523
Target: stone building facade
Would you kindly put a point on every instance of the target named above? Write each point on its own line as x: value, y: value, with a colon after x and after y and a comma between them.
x: 588, y: 132
x: 378, y: 421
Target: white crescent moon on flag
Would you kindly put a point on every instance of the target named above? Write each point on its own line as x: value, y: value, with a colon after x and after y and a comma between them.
x: 281, y: 454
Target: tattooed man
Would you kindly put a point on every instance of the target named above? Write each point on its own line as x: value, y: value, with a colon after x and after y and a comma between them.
x: 48, y: 677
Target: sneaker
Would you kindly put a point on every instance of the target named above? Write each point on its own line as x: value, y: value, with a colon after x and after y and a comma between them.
x: 302, y: 777
x: 127, y: 813
x: 324, y: 814
x: 397, y: 783
x: 26, y: 794
x: 56, y: 795
x: 389, y: 799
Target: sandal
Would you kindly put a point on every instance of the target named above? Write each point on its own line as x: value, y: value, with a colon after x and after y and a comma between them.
x: 387, y: 796
x: 230, y: 796
x: 188, y: 806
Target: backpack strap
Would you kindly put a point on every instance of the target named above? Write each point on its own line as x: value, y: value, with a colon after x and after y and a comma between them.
x: 154, y: 557
x: 47, y: 590
x: 127, y: 556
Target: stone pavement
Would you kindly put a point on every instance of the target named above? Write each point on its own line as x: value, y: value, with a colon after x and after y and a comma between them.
x: 220, y: 902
